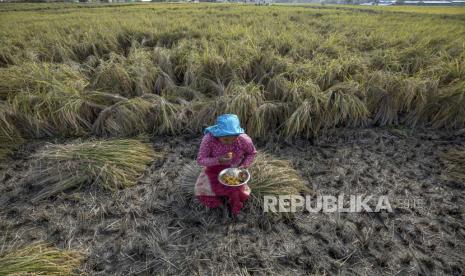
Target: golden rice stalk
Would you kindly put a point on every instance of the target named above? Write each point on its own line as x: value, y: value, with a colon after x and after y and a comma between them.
x: 244, y: 100
x: 29, y: 127
x: 454, y: 165
x: 84, y: 50
x: 306, y: 90
x: 214, y: 66
x: 188, y: 70
x: 308, y: 117
x: 446, y: 69
x: 90, y: 64
x: 149, y: 113
x: 329, y: 73
x: 204, y: 113
x: 417, y: 94
x: 209, y: 70
x: 277, y: 88
x: 281, y: 89
x: 446, y: 110
x: 261, y: 65
x: 385, y: 98
x: 273, y: 177
x: 36, y: 77
x: 414, y: 58
x: 162, y: 59
x: 142, y: 72
x: 111, y: 164
x: 390, y: 96
x: 65, y: 110
x: 40, y: 259
x: 166, y: 115
x: 10, y: 136
x: 344, y: 107
x: 187, y: 178
x: 7, y: 127
x: 126, y: 118
x: 181, y: 94
x: 163, y: 81
x: 268, y: 119
x: 112, y: 76
x: 8, y: 55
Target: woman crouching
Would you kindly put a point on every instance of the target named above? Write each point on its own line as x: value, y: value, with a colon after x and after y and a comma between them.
x: 224, y: 145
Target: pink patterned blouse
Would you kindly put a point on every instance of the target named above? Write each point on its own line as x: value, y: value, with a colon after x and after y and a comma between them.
x: 211, y: 149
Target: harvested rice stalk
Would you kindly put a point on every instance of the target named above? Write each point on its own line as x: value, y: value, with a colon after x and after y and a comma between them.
x: 149, y: 113
x: 277, y: 88
x: 182, y: 94
x: 35, y: 77
x: 142, y: 71
x: 390, y: 96
x: 187, y: 178
x: 125, y: 118
x: 10, y: 137
x: 454, y: 165
x: 9, y: 55
x: 385, y: 98
x: 163, y: 81
x: 40, y: 259
x: 344, y: 107
x: 308, y: 118
x: 162, y: 58
x: 215, y: 67
x: 267, y: 119
x: 7, y: 127
x: 417, y: 94
x: 205, y: 112
x: 281, y: 89
x: 243, y: 100
x: 330, y: 72
x: 274, y: 177
x: 112, y: 76
x: 166, y: 115
x: 112, y: 164
x: 135, y: 75
x: 446, y: 110
x: 208, y: 70
x: 64, y: 110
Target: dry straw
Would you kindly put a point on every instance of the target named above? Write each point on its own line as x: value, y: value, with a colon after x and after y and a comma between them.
x: 40, y: 259
x: 344, y: 106
x: 126, y: 118
x: 10, y: 137
x: 274, y: 177
x: 111, y: 164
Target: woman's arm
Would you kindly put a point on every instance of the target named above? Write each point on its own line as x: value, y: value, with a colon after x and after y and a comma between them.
x: 250, y: 151
x: 203, y: 157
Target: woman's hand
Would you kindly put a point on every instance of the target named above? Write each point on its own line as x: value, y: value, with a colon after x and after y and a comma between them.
x: 226, y: 158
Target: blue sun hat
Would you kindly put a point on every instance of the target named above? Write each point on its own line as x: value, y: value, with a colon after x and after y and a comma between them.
x: 226, y: 125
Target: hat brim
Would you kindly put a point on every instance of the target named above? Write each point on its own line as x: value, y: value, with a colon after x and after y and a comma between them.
x: 218, y: 132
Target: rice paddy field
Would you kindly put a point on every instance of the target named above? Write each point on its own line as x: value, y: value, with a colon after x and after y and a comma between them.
x: 102, y: 108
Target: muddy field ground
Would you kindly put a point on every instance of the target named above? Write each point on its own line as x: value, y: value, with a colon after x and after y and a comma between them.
x: 157, y: 228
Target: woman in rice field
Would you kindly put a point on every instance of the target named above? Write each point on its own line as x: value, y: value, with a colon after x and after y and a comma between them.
x: 224, y: 145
